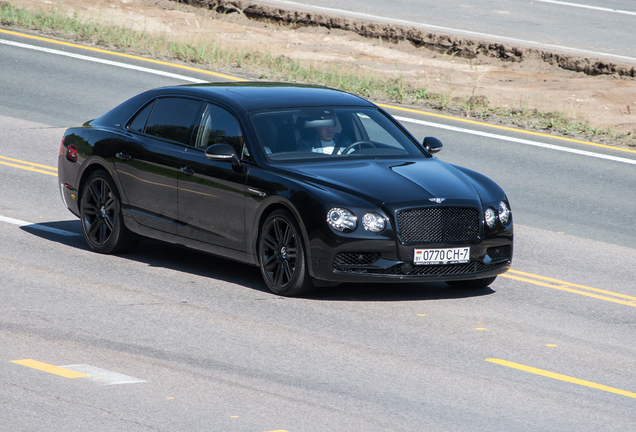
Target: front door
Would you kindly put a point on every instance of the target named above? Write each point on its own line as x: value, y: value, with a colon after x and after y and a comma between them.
x: 212, y: 194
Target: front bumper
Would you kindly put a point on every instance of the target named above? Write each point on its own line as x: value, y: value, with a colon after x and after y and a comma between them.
x: 488, y: 258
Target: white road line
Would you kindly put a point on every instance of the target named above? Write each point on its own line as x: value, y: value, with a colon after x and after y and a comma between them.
x: 486, y: 36
x: 405, y: 119
x: 102, y: 61
x: 603, y: 9
x: 102, y: 376
x: 517, y: 140
x: 37, y: 226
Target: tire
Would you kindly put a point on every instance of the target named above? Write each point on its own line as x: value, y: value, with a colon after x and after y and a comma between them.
x: 282, y: 257
x: 473, y: 284
x: 100, y: 213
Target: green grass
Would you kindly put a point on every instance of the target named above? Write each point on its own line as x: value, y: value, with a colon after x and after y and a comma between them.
x: 209, y: 53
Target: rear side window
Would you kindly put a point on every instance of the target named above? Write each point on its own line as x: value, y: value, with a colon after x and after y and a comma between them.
x: 171, y: 118
x: 139, y: 122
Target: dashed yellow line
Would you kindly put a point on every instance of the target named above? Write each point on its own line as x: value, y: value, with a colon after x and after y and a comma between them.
x: 56, y: 370
x: 561, y: 377
x: 587, y: 291
x: 29, y: 166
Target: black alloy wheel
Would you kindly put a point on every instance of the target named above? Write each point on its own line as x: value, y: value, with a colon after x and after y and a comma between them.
x: 282, y: 256
x: 100, y: 212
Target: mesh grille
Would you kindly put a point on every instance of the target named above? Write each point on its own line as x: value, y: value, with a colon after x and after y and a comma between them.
x: 499, y: 253
x: 454, y: 269
x: 429, y: 270
x: 438, y: 224
x: 355, y: 258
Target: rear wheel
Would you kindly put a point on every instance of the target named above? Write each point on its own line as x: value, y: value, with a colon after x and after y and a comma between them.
x: 282, y: 256
x: 473, y: 284
x: 102, y: 221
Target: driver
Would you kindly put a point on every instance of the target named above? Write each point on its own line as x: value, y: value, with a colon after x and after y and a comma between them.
x: 324, y: 138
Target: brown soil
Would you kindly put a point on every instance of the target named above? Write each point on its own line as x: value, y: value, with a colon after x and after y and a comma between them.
x: 597, y: 91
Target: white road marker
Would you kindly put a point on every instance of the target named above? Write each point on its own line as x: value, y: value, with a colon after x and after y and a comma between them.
x: 102, y: 376
x: 38, y: 226
x: 404, y: 119
x: 103, y: 61
x: 517, y: 140
x: 597, y: 8
x: 452, y: 30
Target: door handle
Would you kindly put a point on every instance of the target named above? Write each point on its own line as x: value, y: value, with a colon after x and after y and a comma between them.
x: 122, y: 156
x: 187, y: 171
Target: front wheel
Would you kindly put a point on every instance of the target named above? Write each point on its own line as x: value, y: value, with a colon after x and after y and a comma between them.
x: 281, y: 256
x: 473, y: 284
x: 102, y: 221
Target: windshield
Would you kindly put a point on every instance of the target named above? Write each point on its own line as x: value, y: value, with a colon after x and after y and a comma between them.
x: 327, y: 132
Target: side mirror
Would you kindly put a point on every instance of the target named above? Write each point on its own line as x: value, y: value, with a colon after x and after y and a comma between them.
x: 222, y: 153
x: 432, y: 144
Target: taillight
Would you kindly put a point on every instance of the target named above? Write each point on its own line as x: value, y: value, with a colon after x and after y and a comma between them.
x: 61, y: 152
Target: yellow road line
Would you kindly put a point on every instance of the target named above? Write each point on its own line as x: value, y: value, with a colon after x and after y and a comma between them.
x: 103, y: 51
x: 478, y: 123
x: 505, y: 128
x: 28, y: 163
x: 561, y: 377
x: 233, y: 78
x: 56, y: 370
x: 570, y: 287
x: 29, y: 166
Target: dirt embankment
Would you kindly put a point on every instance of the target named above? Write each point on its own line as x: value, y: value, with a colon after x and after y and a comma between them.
x: 466, y: 48
x: 515, y: 79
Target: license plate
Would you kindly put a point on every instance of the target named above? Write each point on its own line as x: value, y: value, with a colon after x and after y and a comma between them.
x: 441, y: 256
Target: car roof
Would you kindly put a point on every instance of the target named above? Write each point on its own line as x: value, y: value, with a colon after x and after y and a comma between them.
x: 254, y: 96
x: 242, y: 97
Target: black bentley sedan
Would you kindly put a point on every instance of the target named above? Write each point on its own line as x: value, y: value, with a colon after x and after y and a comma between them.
x: 313, y: 185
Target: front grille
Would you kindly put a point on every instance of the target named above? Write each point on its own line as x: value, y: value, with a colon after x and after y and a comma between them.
x: 500, y: 253
x: 438, y: 224
x: 428, y: 270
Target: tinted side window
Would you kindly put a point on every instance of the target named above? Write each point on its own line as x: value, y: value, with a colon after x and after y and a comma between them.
x: 173, y: 119
x: 139, y: 122
x: 220, y: 127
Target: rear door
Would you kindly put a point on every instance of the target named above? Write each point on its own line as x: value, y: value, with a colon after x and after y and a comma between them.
x: 147, y: 159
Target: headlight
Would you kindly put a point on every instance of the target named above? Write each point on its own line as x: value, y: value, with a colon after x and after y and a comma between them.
x: 373, y: 222
x: 504, y: 213
x: 491, y: 217
x: 342, y: 220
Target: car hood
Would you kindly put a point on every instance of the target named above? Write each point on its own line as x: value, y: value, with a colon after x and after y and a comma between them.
x: 392, y: 181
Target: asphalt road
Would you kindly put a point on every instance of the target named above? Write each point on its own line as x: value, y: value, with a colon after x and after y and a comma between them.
x: 584, y: 27
x: 171, y: 339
